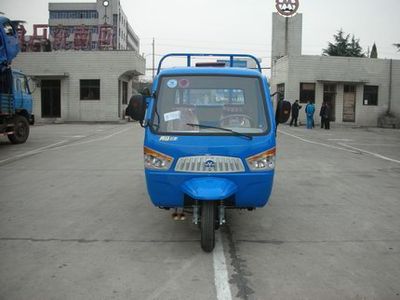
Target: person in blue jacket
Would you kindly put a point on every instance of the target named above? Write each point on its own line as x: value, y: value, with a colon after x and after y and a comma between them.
x: 310, y: 110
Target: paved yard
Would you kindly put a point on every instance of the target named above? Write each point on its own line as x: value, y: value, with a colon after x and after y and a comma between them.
x: 76, y: 222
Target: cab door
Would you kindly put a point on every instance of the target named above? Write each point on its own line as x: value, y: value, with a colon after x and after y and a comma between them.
x: 22, y: 94
x: 17, y: 92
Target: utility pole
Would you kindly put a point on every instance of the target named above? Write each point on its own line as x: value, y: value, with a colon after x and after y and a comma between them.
x: 153, y: 58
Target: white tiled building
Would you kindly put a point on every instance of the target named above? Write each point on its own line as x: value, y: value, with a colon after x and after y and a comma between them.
x: 94, y: 62
x: 101, y: 25
x: 360, y: 90
x: 80, y: 85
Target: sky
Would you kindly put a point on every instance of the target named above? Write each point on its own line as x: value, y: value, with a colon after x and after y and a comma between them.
x: 239, y: 26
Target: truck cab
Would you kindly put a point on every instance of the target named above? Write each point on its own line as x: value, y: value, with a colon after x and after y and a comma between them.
x: 209, y: 140
x: 15, y: 95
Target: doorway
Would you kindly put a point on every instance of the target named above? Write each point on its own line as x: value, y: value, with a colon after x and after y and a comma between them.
x: 330, y: 99
x: 349, y: 103
x: 51, y: 98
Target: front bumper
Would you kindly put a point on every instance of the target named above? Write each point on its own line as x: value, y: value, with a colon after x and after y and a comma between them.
x: 249, y: 189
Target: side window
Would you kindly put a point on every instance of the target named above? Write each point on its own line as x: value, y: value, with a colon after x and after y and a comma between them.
x: 8, y: 29
x: 21, y: 84
x: 18, y: 84
x: 25, y: 86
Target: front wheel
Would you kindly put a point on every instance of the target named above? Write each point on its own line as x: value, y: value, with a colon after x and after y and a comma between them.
x: 21, y: 130
x: 207, y: 226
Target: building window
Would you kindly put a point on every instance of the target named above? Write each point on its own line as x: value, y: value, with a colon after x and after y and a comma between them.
x: 330, y: 88
x: 370, y: 95
x: 90, y: 89
x: 307, y: 92
x: 349, y: 88
x: 124, y: 92
x: 74, y: 14
x: 280, y: 88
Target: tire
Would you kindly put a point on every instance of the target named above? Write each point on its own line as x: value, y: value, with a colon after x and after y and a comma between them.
x: 21, y: 130
x: 216, y: 222
x: 207, y: 226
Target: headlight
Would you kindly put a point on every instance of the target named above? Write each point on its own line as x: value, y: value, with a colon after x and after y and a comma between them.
x: 263, y: 161
x: 155, y: 160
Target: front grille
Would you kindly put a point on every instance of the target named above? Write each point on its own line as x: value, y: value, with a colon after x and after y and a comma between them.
x: 209, y: 164
x: 6, y: 103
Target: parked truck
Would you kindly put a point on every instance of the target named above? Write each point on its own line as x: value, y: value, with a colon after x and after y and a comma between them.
x: 15, y: 96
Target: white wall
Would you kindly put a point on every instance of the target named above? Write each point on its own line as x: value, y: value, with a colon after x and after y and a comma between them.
x: 286, y: 42
x: 395, y: 106
x: 70, y: 67
x: 342, y: 70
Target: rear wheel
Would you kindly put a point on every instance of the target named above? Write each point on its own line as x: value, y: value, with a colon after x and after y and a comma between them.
x: 21, y: 130
x: 207, y: 225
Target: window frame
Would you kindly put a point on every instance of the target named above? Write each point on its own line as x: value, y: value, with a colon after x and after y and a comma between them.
x: 281, y: 96
x: 262, y: 91
x: 367, y: 101
x: 90, y: 88
x: 303, y: 97
x: 124, y: 92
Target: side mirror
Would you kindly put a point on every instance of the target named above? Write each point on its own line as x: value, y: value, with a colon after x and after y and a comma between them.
x: 136, y: 108
x: 283, y: 111
x: 146, y: 92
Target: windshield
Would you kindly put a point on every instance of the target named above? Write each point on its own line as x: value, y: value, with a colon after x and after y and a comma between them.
x: 229, y: 102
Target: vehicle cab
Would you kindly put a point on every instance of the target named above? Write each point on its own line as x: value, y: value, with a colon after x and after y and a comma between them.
x: 209, y: 141
x: 15, y: 96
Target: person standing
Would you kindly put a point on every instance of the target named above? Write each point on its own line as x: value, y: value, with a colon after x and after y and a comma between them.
x: 278, y: 108
x: 327, y: 116
x: 295, y: 113
x: 322, y: 114
x: 325, y: 113
x: 310, y: 109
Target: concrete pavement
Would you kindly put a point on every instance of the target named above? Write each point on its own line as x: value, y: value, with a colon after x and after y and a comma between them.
x: 76, y: 222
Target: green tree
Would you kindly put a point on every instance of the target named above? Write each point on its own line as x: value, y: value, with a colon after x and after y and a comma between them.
x: 374, y: 52
x: 343, y: 45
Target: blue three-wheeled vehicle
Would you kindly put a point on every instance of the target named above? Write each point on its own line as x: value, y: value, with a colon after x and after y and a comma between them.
x: 209, y: 139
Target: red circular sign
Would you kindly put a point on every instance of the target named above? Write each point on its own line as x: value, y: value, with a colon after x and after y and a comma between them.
x: 184, y: 83
x: 287, y: 8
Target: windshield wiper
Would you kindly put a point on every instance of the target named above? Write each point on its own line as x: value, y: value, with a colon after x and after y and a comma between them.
x: 221, y: 128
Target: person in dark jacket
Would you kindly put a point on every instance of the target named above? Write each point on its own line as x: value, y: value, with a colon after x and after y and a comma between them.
x: 278, y: 106
x: 295, y: 113
x: 322, y: 114
x: 325, y: 113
